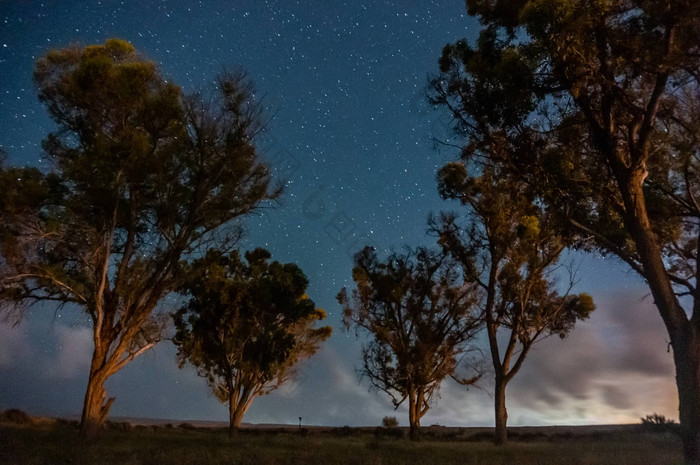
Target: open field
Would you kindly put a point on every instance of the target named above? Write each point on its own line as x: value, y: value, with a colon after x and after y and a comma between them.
x: 56, y: 442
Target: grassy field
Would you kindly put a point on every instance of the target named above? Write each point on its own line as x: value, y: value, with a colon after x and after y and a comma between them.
x: 56, y: 443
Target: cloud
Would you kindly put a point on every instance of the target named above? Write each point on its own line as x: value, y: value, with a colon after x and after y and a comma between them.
x: 614, y: 368
x: 74, y: 348
x: 615, y: 396
x: 13, y: 345
x: 608, y: 367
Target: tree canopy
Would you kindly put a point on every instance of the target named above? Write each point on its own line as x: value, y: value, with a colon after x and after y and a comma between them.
x: 142, y: 177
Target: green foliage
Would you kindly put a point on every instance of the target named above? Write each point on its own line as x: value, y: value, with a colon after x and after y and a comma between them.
x: 246, y: 325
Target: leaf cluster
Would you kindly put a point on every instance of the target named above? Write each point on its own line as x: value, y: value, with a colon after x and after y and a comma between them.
x: 600, y: 92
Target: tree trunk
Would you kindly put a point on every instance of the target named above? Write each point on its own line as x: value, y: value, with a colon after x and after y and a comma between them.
x: 501, y: 412
x: 683, y: 332
x: 413, y: 418
x: 233, y: 427
x: 686, y: 355
x: 235, y: 419
x: 237, y: 408
x: 95, y: 409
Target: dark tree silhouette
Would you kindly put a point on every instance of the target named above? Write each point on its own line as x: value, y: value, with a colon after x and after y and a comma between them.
x: 511, y: 251
x: 246, y: 326
x: 419, y: 313
x: 609, y: 93
x: 142, y: 177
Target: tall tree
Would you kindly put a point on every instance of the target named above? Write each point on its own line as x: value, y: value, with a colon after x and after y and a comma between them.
x: 617, y: 81
x: 419, y: 313
x: 511, y: 251
x: 246, y: 326
x: 142, y: 177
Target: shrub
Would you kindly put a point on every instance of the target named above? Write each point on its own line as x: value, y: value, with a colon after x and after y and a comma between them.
x: 659, y: 424
x: 657, y: 420
x: 390, y: 422
x: 15, y: 415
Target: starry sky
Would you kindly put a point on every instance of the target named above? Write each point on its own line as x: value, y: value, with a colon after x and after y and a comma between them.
x: 352, y: 136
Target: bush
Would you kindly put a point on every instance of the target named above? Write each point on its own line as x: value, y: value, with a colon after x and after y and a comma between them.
x: 659, y: 424
x: 657, y: 420
x: 16, y: 415
x: 390, y: 422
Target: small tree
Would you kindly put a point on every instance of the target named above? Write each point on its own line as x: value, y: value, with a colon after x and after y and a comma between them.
x: 246, y: 326
x: 510, y: 250
x: 143, y: 176
x: 419, y: 314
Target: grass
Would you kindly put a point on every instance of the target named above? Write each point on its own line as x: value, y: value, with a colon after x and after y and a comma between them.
x: 57, y: 443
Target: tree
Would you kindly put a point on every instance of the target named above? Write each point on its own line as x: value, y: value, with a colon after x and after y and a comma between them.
x: 246, y: 326
x: 511, y: 251
x: 419, y: 314
x: 608, y: 90
x: 143, y: 178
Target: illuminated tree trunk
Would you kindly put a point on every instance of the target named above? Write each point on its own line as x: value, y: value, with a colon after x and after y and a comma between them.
x: 96, y: 405
x: 413, y: 417
x: 235, y: 420
x: 237, y: 408
x: 501, y: 412
x: 683, y: 332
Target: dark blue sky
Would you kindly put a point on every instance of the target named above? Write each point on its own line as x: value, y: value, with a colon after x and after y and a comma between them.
x: 353, y: 137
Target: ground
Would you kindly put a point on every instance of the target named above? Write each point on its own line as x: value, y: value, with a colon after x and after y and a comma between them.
x: 47, y: 441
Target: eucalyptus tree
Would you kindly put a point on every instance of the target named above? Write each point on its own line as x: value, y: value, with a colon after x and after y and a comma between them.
x: 419, y: 314
x: 608, y: 90
x: 507, y: 245
x: 142, y: 176
x: 246, y: 326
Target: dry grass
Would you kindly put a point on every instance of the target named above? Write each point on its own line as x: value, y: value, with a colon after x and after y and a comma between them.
x: 57, y: 443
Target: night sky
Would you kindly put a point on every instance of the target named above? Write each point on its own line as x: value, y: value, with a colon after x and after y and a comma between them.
x: 353, y: 137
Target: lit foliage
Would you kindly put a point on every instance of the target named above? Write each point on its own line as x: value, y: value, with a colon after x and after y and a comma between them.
x: 246, y: 325
x: 419, y: 314
x: 605, y: 130
x: 143, y: 176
